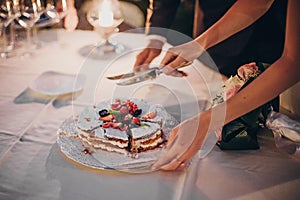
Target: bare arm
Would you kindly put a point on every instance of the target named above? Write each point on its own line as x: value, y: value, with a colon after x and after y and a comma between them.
x: 242, y: 14
x: 278, y: 77
x: 71, y: 19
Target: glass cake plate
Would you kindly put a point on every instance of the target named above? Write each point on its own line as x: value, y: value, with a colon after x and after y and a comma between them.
x: 76, y: 150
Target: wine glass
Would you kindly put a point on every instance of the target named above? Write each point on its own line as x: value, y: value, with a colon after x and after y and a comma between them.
x: 31, y: 11
x: 51, y: 12
x: 8, y: 12
x: 105, y: 16
x: 40, y: 10
x: 56, y: 9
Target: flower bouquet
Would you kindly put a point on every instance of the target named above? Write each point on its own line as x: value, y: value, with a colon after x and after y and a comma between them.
x: 241, y: 133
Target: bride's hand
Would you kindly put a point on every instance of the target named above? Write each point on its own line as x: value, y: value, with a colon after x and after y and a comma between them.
x: 184, y: 142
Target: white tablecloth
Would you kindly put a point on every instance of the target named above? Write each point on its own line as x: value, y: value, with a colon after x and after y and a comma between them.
x: 32, y: 166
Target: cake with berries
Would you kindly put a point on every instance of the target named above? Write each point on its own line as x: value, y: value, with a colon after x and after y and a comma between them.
x: 123, y: 126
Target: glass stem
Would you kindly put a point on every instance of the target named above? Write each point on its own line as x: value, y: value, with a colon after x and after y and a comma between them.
x: 12, y: 35
x: 29, y: 39
x: 34, y: 35
x: 4, y: 43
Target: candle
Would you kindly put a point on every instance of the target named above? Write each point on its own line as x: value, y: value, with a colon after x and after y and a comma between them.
x: 106, y: 16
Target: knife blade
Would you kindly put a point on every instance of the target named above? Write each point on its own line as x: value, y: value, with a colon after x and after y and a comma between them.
x: 149, y: 74
x: 121, y: 76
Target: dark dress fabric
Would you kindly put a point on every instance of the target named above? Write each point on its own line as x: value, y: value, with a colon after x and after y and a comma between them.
x: 261, y: 42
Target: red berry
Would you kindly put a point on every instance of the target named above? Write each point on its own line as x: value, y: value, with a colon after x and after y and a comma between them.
x: 135, y: 120
x: 107, y: 124
x: 123, y: 128
x: 124, y: 110
x: 115, y: 106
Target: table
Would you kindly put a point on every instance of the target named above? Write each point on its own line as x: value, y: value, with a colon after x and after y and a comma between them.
x: 32, y: 166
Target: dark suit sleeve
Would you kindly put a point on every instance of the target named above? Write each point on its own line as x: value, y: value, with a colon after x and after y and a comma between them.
x: 164, y: 12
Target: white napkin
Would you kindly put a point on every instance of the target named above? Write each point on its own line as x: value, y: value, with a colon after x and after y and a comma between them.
x: 286, y: 132
x: 284, y: 125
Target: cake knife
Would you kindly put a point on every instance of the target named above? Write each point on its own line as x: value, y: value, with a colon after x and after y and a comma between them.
x: 132, y: 74
x: 149, y: 74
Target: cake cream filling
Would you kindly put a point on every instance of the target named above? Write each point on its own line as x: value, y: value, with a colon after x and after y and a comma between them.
x: 151, y: 145
x: 96, y: 139
x: 98, y: 142
x: 145, y: 131
x: 104, y: 147
x: 155, y: 135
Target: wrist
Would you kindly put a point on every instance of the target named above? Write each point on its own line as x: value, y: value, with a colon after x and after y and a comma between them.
x: 156, y: 38
x: 72, y: 9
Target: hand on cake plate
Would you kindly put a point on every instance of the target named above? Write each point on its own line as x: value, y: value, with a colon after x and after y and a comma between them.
x: 184, y: 142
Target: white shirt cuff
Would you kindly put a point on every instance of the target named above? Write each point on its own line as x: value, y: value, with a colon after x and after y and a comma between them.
x: 157, y: 37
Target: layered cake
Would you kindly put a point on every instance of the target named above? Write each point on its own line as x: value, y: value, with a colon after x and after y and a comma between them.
x: 123, y: 126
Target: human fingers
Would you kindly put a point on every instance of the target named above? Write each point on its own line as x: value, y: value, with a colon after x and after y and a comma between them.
x: 178, y: 73
x: 172, y: 161
x: 172, y: 137
x: 181, y: 165
x: 165, y: 159
x: 169, y: 57
x: 179, y: 162
x: 175, y: 164
x: 152, y: 54
x: 140, y: 60
x: 177, y: 63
